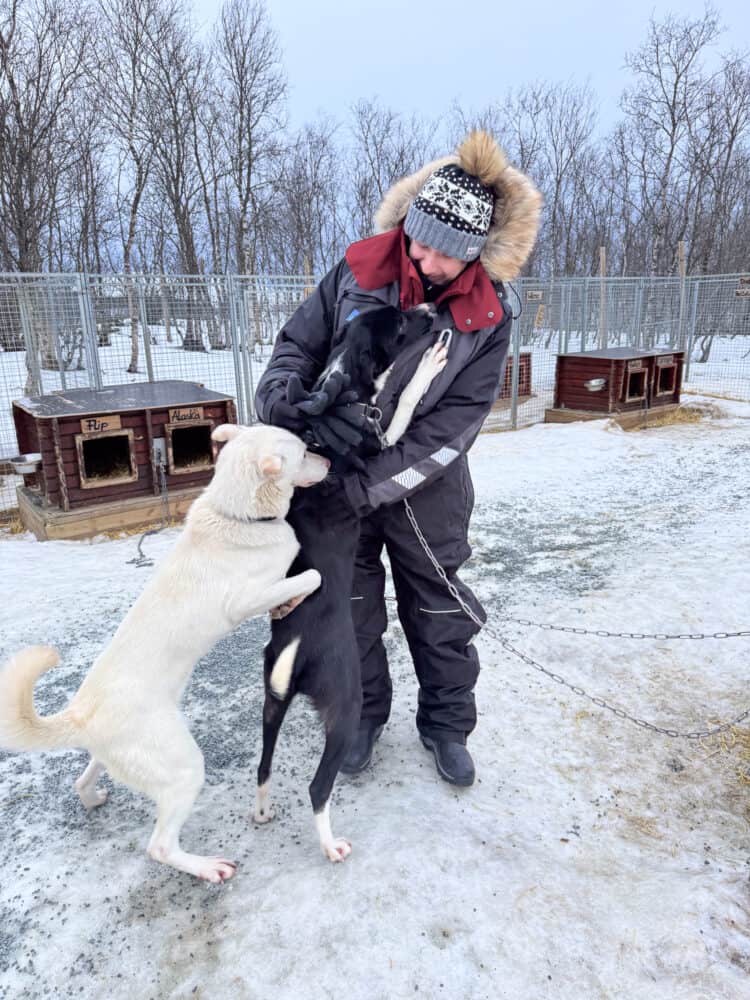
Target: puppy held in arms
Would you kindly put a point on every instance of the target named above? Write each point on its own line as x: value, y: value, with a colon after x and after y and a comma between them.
x: 228, y: 564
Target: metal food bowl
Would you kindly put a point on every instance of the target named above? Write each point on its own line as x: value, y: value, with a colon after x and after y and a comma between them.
x: 24, y: 465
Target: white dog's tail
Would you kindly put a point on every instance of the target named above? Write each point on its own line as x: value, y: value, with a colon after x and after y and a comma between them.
x: 20, y: 727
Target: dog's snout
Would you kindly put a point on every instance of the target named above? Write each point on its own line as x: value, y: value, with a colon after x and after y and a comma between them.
x: 326, y: 461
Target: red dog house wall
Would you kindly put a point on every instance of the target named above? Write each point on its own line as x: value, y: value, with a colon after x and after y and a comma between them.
x: 618, y: 380
x: 101, y: 445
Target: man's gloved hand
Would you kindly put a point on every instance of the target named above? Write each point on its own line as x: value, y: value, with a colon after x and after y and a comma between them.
x: 295, y: 408
x: 330, y: 392
x: 285, y: 412
x: 341, y: 428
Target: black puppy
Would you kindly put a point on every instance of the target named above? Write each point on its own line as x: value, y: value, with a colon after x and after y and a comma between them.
x: 337, y: 410
x: 313, y: 650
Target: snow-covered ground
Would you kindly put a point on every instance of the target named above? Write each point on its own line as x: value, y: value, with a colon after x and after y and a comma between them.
x: 592, y: 859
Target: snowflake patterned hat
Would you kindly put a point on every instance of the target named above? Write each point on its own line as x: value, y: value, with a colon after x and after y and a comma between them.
x: 451, y: 213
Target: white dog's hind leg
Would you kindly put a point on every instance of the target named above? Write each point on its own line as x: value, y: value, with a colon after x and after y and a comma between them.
x: 174, y: 808
x: 90, y: 795
x: 334, y: 848
x: 172, y: 773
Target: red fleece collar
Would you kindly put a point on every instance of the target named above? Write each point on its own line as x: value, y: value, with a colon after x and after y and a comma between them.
x: 382, y: 259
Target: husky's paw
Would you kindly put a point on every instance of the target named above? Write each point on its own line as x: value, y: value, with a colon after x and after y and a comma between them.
x: 432, y: 362
x: 282, y: 610
x: 216, y: 869
x: 91, y: 798
x: 263, y: 811
x: 97, y: 797
x: 310, y: 580
x: 263, y: 814
x: 337, y: 850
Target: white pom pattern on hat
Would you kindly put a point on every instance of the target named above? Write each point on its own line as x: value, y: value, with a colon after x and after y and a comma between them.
x: 469, y: 203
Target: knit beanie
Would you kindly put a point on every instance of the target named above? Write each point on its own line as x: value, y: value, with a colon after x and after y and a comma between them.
x: 451, y: 213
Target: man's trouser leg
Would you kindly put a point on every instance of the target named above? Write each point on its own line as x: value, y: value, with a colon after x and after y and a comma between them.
x: 438, y: 631
x: 370, y: 622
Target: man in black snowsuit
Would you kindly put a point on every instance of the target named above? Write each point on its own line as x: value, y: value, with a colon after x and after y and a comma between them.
x: 449, y: 234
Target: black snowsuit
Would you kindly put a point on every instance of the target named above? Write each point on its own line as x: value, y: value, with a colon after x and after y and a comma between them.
x: 428, y: 465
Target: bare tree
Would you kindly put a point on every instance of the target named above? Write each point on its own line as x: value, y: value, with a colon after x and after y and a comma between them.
x: 250, y: 110
x: 43, y: 51
x: 307, y: 230
x: 385, y: 148
x: 669, y: 92
x: 174, y: 96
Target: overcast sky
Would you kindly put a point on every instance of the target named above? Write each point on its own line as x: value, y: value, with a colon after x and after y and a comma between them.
x: 422, y: 57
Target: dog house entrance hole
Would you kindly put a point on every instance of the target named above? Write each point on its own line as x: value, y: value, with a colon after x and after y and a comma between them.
x: 666, y: 378
x: 189, y: 446
x: 636, y: 384
x: 106, y: 459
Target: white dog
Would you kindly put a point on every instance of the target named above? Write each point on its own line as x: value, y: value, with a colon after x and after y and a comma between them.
x: 228, y: 564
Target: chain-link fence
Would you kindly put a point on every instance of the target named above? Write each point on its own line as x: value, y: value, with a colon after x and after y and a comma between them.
x: 62, y: 331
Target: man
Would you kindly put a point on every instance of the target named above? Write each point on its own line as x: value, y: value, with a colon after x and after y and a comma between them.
x: 450, y: 234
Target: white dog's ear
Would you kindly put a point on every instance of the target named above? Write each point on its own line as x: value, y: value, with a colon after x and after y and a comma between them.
x: 271, y: 465
x: 225, y: 432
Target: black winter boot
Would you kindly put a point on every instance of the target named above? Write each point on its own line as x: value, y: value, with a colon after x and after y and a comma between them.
x: 453, y: 760
x: 359, y: 754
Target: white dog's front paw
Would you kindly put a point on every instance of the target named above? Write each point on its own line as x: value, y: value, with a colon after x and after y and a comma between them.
x: 337, y: 850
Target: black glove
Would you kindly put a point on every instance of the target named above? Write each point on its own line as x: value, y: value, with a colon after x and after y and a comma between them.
x: 294, y: 408
x: 284, y: 412
x: 330, y: 392
x: 341, y: 428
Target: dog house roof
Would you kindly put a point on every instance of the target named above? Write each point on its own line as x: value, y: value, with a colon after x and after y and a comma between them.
x: 620, y: 353
x: 119, y: 398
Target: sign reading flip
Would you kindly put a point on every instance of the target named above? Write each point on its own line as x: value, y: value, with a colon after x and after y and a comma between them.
x: 106, y: 422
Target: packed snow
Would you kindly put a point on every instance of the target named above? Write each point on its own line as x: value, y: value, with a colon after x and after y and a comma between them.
x: 592, y: 858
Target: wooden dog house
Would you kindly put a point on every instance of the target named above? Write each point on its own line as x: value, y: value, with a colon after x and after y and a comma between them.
x: 616, y: 380
x: 103, y: 452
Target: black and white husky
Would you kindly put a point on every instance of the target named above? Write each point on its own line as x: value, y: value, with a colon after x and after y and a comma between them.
x: 313, y: 649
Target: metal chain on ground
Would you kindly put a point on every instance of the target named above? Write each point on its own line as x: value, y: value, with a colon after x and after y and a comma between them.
x: 141, y: 560
x: 599, y: 702
x: 624, y: 635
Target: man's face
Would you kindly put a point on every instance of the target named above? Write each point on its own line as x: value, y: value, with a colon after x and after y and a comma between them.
x: 435, y: 266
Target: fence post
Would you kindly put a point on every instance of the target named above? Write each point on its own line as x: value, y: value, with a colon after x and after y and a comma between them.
x: 691, y: 331
x: 32, y: 356
x: 246, y: 351
x: 681, y: 319
x: 584, y: 315
x: 602, y: 298
x: 146, y: 332
x: 637, y: 338
x: 89, y: 331
x: 235, y: 335
x: 514, y: 380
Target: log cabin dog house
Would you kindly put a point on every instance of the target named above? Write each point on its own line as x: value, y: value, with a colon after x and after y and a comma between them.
x: 106, y: 457
x: 615, y: 381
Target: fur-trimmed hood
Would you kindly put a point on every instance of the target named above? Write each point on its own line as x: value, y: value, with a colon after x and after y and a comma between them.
x: 518, y: 204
